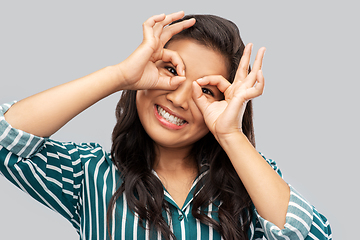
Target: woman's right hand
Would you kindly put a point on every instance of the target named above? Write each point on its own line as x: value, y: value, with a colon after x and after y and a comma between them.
x: 45, y: 113
x: 139, y: 71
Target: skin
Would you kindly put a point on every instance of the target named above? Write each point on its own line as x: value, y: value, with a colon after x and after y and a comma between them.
x: 199, y: 62
x: 172, y: 165
x: 45, y: 113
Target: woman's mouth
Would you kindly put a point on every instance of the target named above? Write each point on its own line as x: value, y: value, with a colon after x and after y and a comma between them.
x: 169, y: 117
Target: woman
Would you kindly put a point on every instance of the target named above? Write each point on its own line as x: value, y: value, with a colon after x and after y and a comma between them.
x: 183, y: 163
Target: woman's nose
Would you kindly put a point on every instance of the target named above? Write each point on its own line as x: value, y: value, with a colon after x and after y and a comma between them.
x: 181, y: 96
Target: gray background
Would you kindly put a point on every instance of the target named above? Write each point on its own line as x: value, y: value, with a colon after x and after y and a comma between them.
x: 307, y: 119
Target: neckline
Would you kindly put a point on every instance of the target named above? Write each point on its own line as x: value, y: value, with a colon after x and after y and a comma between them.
x: 191, y: 193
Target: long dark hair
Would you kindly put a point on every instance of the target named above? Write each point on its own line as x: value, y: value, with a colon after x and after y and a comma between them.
x: 133, y: 151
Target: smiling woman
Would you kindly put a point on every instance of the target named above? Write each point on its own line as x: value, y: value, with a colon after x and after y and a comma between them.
x: 183, y: 163
x: 200, y: 61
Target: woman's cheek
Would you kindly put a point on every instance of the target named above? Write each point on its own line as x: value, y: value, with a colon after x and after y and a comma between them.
x: 197, y: 113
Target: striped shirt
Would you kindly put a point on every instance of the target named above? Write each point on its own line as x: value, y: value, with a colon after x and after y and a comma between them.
x: 78, y: 180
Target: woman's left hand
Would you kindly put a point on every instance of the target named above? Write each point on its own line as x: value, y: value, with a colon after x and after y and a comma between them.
x: 225, y: 117
x: 269, y: 193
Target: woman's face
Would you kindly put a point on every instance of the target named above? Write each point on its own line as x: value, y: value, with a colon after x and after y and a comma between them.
x: 171, y: 117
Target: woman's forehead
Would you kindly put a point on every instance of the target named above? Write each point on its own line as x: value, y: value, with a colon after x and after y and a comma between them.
x: 199, y: 58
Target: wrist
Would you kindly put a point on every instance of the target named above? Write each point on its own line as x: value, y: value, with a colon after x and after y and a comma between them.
x: 119, y: 76
x: 227, y: 140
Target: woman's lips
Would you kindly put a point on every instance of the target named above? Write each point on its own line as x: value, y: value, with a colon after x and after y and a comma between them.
x: 169, y: 120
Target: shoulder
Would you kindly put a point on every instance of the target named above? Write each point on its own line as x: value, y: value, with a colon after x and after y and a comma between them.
x: 77, y: 151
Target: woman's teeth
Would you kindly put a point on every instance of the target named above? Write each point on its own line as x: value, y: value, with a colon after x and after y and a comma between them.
x: 170, y: 118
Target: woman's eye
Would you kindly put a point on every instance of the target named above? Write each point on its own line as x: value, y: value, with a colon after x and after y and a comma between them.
x: 207, y: 91
x: 172, y: 70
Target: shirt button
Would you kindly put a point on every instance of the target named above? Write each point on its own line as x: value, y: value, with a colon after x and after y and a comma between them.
x: 181, y: 217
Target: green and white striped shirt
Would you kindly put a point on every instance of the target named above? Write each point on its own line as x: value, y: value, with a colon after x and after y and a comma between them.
x: 78, y: 180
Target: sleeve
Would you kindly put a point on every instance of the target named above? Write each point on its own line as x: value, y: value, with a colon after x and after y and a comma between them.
x: 50, y: 171
x: 18, y: 142
x: 303, y: 221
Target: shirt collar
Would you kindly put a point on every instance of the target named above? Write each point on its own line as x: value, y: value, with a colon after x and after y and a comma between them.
x: 203, y: 171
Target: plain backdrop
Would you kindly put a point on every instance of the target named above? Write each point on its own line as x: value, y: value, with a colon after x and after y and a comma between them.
x: 307, y: 119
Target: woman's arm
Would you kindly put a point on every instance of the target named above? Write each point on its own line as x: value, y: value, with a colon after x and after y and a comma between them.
x: 282, y: 212
x: 52, y: 172
x: 268, y: 191
x: 44, y: 113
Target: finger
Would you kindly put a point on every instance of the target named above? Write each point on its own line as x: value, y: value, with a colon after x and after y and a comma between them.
x: 259, y: 59
x: 176, y: 81
x: 215, y: 80
x: 174, y: 29
x: 158, y: 28
x: 175, y: 59
x: 148, y: 25
x: 260, y: 82
x: 243, y: 67
x: 172, y: 17
x: 199, y: 98
x: 242, y: 75
x: 251, y: 79
x: 169, y: 83
x: 257, y: 89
